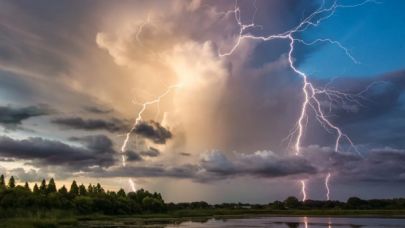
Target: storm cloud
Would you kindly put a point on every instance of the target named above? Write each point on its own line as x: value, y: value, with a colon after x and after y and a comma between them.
x: 132, y: 156
x: 96, y: 110
x: 153, y: 131
x: 10, y: 116
x: 137, y: 156
x: 313, y: 164
x: 152, y: 152
x: 112, y: 126
x: 39, y: 152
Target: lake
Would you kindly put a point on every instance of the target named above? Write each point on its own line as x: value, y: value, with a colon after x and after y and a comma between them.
x: 294, y: 222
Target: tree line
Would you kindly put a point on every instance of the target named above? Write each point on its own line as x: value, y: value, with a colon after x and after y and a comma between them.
x: 292, y: 203
x: 93, y: 199
x: 79, y: 198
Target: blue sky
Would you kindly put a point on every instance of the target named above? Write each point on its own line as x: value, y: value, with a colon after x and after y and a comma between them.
x: 373, y: 32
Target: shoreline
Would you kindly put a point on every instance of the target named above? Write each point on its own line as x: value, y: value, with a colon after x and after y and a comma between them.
x: 159, y: 220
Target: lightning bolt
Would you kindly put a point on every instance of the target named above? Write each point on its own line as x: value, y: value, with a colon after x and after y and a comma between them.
x: 310, y: 92
x: 303, y: 191
x: 139, y: 119
x: 327, y: 186
x: 143, y: 105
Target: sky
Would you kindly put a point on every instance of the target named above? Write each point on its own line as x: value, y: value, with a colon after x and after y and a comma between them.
x: 77, y: 78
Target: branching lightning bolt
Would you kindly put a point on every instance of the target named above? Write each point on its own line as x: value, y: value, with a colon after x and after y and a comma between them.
x: 138, y: 120
x: 310, y: 92
x: 144, y: 105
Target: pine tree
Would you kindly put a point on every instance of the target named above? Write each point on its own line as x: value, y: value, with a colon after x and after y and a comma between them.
x: 63, y: 191
x: 11, y: 182
x: 36, y: 190
x: 2, y: 182
x: 51, y: 186
x: 74, y: 189
x: 82, y: 190
x: 27, y: 186
x: 90, y: 189
x: 99, y: 189
x: 42, y: 187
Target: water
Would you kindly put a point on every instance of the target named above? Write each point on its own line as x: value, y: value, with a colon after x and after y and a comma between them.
x: 294, y: 222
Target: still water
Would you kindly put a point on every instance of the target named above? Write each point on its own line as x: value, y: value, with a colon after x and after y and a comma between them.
x: 295, y: 222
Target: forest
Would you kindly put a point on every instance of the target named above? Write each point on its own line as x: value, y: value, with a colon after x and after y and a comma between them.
x: 22, y: 201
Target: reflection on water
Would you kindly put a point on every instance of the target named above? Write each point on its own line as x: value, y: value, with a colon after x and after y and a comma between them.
x: 294, y: 222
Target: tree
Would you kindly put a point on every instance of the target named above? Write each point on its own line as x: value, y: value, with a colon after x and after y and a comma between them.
x: 74, y: 190
x: 355, y: 203
x: 27, y: 186
x: 63, y: 191
x: 121, y: 193
x: 99, y: 189
x: 11, y: 182
x: 83, y: 204
x: 51, y: 187
x: 277, y: 205
x: 35, y: 189
x: 53, y: 200
x: 90, y: 189
x: 42, y: 187
x: 291, y: 202
x: 152, y: 204
x: 82, y: 190
x: 2, y: 182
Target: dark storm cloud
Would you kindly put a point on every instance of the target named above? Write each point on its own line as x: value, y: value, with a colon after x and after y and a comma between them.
x: 98, y: 143
x: 42, y: 152
x: 215, y: 166
x: 112, y: 126
x: 182, y: 171
x: 377, y: 118
x: 132, y: 156
x: 377, y: 165
x: 6, y: 160
x: 261, y: 164
x: 96, y: 110
x: 10, y: 117
x: 380, y: 98
x: 314, y: 163
x: 152, y: 152
x: 153, y: 131
x: 135, y: 156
